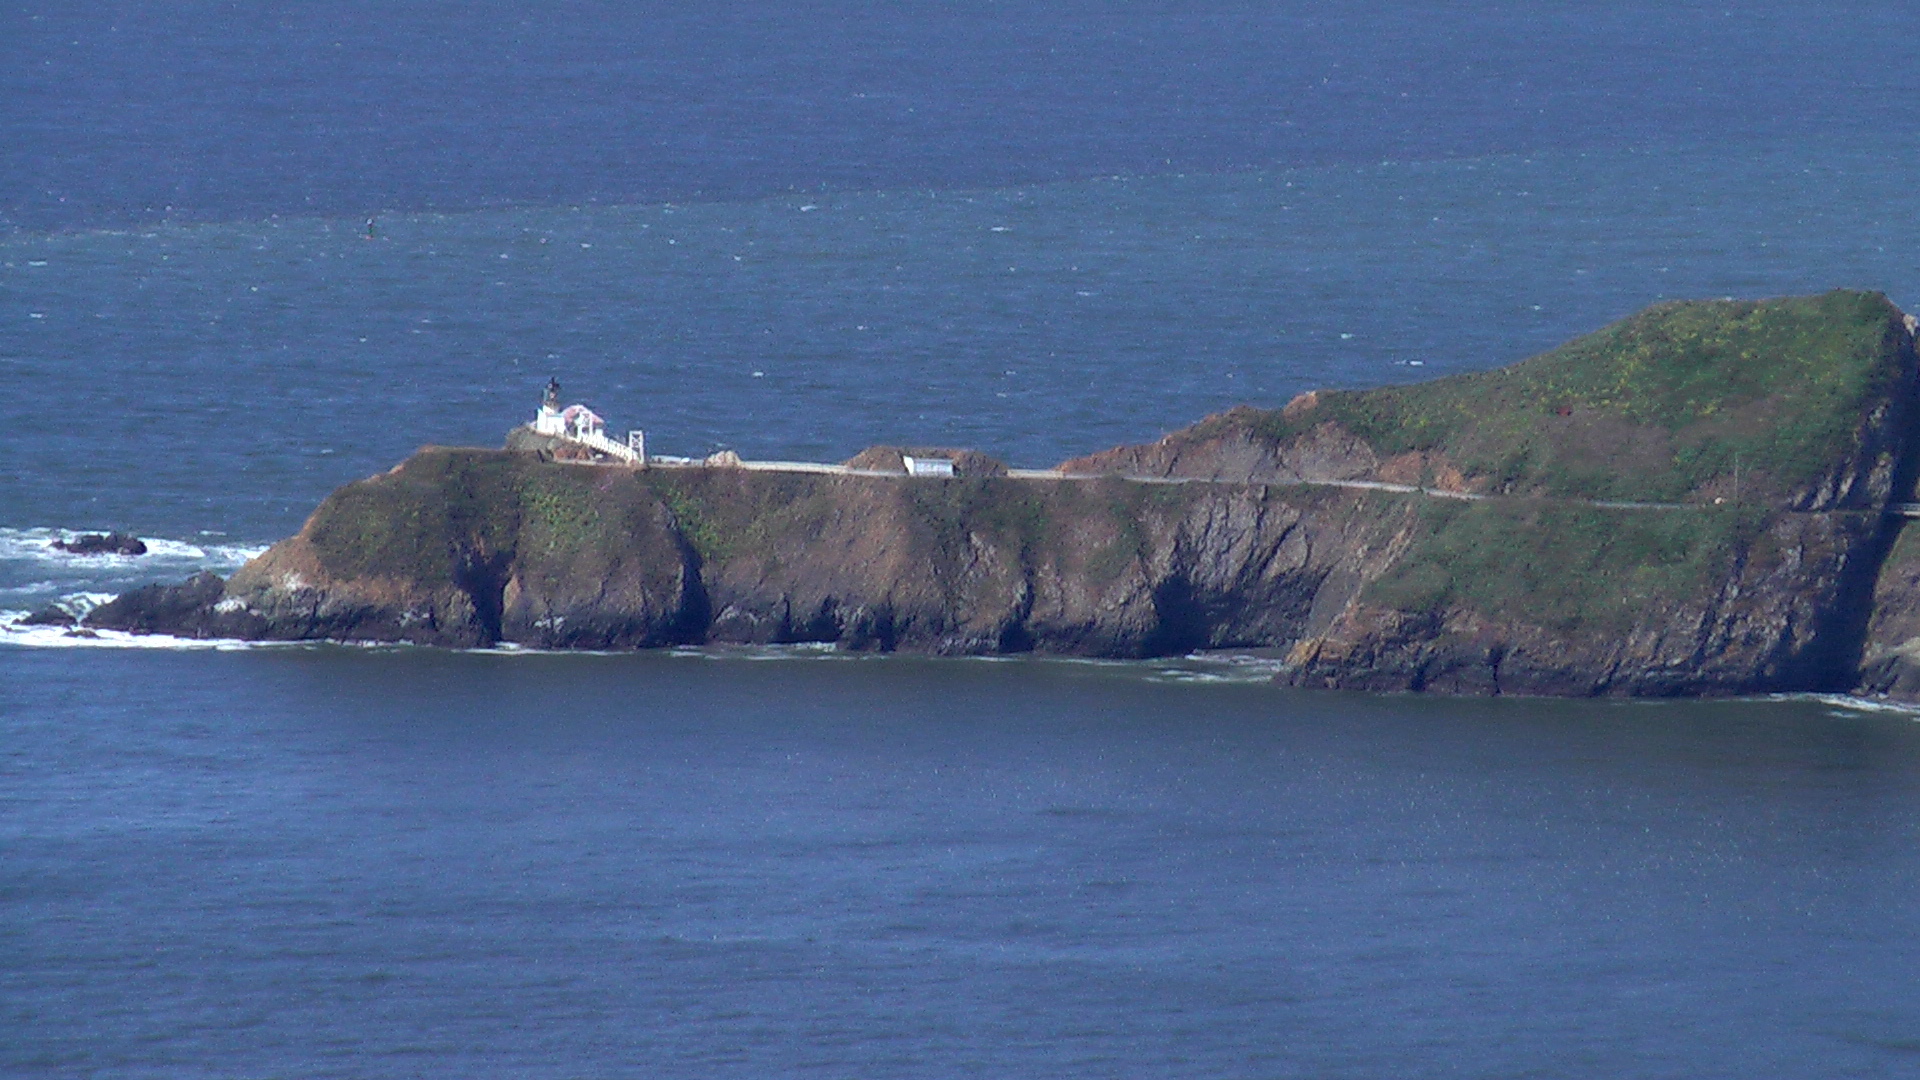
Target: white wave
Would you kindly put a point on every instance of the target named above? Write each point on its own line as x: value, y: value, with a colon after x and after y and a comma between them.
x: 510, y: 648
x: 36, y: 545
x: 34, y: 573
x: 1224, y: 677
x: 78, y: 604
x: 1192, y: 673
x: 1856, y: 704
x: 804, y: 650
x: 61, y: 637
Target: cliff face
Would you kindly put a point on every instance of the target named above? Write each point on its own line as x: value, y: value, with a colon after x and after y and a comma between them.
x: 1585, y: 601
x: 470, y: 547
x: 1561, y: 580
x: 1363, y: 590
x: 1890, y: 656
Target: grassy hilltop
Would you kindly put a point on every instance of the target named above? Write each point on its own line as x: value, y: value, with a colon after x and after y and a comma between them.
x: 1656, y: 408
x: 1664, y: 406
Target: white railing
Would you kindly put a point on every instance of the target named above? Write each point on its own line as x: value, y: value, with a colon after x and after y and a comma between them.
x: 606, y: 446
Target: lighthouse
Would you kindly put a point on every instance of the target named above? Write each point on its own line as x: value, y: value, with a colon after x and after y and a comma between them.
x: 581, y: 424
x: 547, y: 421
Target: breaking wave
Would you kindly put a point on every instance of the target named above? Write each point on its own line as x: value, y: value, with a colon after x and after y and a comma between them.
x: 1197, y: 669
x: 35, y: 575
x: 36, y: 546
x: 61, y: 637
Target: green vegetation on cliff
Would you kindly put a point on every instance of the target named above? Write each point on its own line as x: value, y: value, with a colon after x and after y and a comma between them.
x: 405, y: 524
x: 1010, y: 514
x: 1656, y: 407
x: 1564, y: 567
x: 445, y: 507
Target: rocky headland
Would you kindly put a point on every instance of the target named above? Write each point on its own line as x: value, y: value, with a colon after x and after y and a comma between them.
x: 1699, y: 500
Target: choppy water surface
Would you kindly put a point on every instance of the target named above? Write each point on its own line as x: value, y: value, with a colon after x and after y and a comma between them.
x: 250, y: 368
x: 330, y: 862
x: 1035, y: 229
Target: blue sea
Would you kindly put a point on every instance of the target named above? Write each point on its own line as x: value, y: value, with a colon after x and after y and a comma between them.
x: 251, y: 251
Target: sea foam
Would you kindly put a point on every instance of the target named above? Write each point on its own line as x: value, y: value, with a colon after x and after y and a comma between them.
x: 36, y: 545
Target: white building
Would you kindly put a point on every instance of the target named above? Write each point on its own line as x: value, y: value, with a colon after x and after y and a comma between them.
x: 582, y: 425
x: 927, y: 466
x: 572, y: 422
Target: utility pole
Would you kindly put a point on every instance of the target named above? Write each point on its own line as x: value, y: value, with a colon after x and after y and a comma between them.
x: 1736, y: 477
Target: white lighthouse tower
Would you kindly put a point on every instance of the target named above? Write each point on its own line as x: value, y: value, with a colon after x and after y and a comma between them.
x: 547, y: 420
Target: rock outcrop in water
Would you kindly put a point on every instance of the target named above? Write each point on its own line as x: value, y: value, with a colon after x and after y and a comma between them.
x: 113, y: 543
x: 1692, y: 501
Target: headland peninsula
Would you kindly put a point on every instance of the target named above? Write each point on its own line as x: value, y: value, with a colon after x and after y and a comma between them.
x: 1706, y: 498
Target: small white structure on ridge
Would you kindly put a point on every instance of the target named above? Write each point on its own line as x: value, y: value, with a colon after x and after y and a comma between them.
x: 927, y: 466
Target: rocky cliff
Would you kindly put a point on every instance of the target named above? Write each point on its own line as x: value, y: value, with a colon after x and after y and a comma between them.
x: 1689, y: 502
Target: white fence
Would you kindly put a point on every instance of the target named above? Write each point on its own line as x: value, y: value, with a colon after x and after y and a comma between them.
x: 607, y: 446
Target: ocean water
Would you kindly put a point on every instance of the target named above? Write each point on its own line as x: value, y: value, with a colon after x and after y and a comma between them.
x: 796, y: 231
